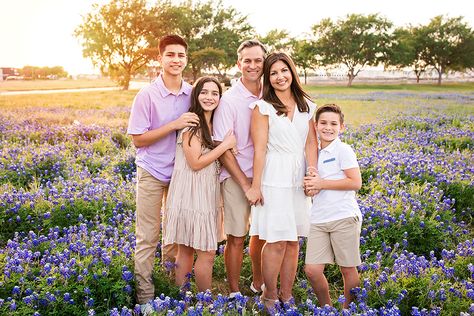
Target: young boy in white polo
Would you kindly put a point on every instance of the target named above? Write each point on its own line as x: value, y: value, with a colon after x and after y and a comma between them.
x: 335, y: 215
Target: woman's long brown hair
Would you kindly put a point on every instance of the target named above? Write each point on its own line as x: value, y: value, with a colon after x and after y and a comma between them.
x: 269, y: 94
x: 202, y: 130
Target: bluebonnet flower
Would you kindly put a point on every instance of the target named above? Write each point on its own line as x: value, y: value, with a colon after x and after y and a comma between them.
x: 16, y: 290
x: 127, y: 276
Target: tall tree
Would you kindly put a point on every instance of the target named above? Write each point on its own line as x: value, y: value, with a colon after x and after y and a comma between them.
x: 114, y: 36
x: 304, y: 55
x: 447, y: 44
x: 355, y: 42
x: 405, y: 51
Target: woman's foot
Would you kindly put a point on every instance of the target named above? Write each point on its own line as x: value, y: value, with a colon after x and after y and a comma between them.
x: 290, y: 301
x: 255, y: 290
x: 269, y: 304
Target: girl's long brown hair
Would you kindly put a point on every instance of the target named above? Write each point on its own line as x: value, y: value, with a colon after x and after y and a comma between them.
x: 269, y: 94
x: 202, y: 130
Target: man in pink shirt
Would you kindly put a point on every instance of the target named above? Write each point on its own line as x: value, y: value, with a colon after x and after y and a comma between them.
x: 158, y: 111
x: 233, y: 113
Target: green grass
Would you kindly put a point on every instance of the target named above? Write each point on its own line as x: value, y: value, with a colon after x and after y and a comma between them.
x: 24, y: 85
x: 106, y: 108
x: 365, y: 88
x: 72, y: 100
x: 365, y: 111
x: 116, y: 104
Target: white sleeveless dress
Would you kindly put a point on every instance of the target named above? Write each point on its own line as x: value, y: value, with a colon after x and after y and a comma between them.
x: 286, y: 210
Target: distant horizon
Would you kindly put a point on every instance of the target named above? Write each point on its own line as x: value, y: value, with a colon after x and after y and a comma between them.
x: 43, y: 36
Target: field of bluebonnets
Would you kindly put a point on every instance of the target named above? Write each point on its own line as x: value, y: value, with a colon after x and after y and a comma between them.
x: 67, y: 179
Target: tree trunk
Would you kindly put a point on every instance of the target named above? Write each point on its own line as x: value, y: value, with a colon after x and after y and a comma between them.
x: 349, y: 83
x: 417, y: 78
x: 304, y: 71
x: 195, y: 73
x: 440, y: 74
x: 351, y: 76
x: 125, y: 81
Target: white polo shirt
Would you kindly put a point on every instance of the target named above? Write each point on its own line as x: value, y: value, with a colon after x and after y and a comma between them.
x: 331, y: 205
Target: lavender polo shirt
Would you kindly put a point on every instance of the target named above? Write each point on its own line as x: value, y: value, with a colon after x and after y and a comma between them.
x: 153, y: 107
x: 233, y: 113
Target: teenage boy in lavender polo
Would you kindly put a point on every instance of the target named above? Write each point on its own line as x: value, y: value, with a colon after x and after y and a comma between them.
x: 233, y: 113
x: 158, y: 111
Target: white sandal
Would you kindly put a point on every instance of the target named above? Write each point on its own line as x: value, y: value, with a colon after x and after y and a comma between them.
x: 254, y: 289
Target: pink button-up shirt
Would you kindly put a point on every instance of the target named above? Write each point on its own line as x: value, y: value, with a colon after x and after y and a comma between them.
x: 153, y: 107
x: 233, y: 113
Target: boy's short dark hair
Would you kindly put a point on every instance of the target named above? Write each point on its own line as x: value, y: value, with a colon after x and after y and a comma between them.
x: 172, y: 39
x: 330, y: 108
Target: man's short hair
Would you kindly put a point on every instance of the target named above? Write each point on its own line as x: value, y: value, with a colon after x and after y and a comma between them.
x: 172, y: 39
x: 251, y: 43
x: 330, y: 108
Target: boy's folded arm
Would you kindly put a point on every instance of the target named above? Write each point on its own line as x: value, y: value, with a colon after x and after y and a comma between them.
x: 353, y: 181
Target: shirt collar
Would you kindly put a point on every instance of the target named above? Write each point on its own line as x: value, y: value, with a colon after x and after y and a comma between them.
x: 185, y: 87
x: 245, y: 91
x: 332, y: 146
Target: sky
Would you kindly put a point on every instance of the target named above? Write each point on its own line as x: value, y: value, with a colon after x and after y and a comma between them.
x: 40, y: 32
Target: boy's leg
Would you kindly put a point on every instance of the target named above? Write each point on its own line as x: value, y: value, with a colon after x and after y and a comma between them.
x: 147, y: 231
x: 288, y: 270
x: 203, y: 269
x: 319, y: 253
x: 170, y: 251
x: 351, y: 280
x: 184, y: 264
x: 315, y: 274
x: 345, y: 240
x: 236, y: 222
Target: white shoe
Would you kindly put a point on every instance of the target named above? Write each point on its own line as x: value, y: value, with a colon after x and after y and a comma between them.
x: 146, y: 309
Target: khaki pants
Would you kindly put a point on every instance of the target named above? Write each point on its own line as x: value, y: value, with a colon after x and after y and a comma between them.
x: 149, y: 200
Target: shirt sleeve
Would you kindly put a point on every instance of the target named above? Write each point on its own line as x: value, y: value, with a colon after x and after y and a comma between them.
x: 223, y: 121
x: 140, y: 119
x: 348, y: 158
x: 312, y: 109
x: 263, y: 107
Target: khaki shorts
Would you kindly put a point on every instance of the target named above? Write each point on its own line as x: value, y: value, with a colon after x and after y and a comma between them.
x: 338, y: 239
x: 236, y: 209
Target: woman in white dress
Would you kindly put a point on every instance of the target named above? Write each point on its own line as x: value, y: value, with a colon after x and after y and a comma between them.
x: 285, y: 145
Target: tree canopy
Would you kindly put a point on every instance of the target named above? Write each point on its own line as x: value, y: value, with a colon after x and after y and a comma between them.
x: 276, y: 39
x: 213, y: 33
x: 304, y: 55
x: 34, y: 72
x: 446, y: 44
x: 355, y: 42
x: 121, y: 39
x: 114, y: 36
x: 405, y: 51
